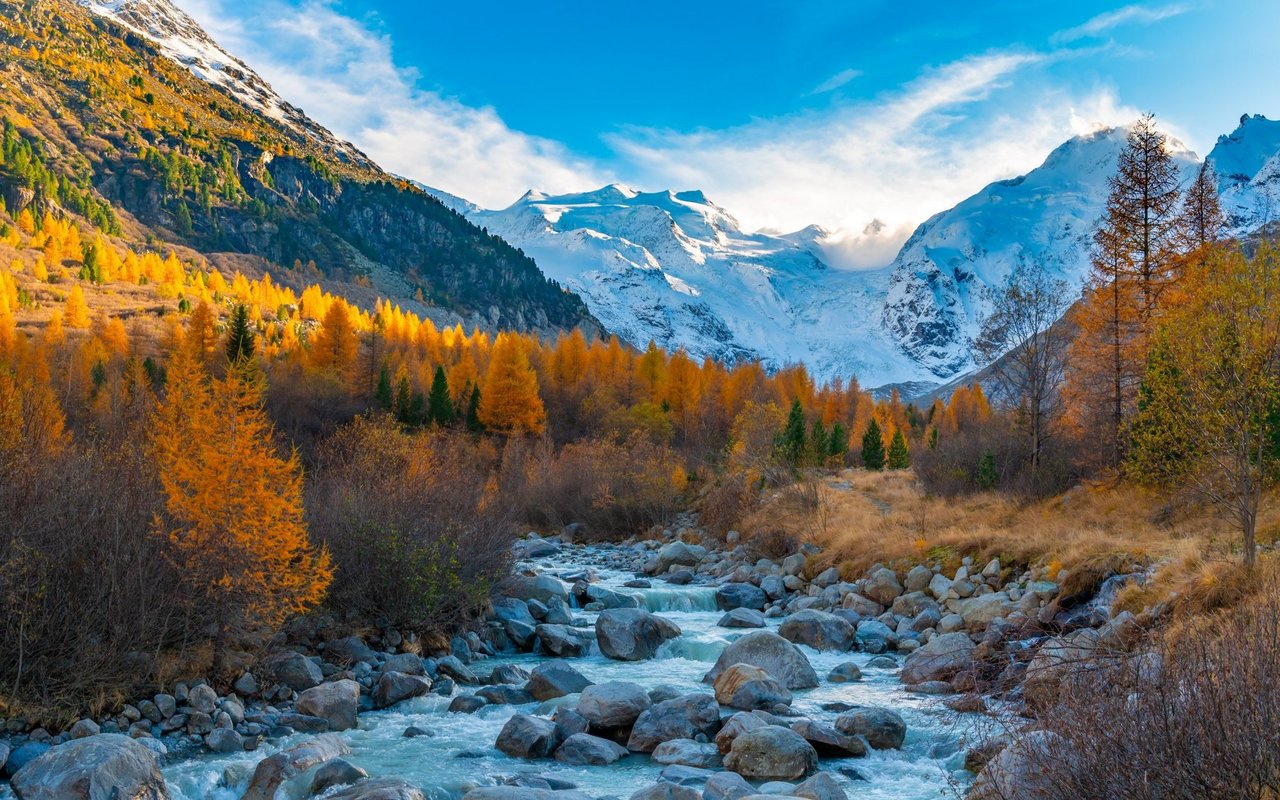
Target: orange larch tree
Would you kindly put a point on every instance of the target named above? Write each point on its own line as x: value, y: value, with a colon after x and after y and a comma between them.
x: 509, y: 399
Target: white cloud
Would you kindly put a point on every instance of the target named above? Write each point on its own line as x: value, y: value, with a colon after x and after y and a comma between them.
x: 836, y: 81
x: 1143, y: 15
x: 343, y: 74
x: 895, y: 160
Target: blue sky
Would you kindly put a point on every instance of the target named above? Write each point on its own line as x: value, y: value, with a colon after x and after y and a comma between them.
x: 785, y: 113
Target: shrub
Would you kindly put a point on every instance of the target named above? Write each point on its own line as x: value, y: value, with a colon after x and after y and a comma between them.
x: 411, y: 521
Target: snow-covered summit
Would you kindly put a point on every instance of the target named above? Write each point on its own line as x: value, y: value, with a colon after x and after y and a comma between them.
x: 182, y: 39
x: 1247, y: 162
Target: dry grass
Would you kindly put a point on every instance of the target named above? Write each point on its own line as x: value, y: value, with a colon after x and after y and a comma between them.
x: 1077, y: 538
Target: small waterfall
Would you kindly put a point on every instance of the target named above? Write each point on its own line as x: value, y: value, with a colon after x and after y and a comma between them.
x: 687, y: 599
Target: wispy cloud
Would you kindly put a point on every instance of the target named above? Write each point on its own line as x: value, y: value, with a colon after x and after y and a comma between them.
x: 836, y: 81
x: 344, y: 75
x: 1134, y: 14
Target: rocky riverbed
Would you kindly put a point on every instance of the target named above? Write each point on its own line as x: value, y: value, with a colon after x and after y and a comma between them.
x: 674, y: 668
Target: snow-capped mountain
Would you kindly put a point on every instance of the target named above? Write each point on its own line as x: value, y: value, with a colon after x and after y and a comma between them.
x: 182, y: 39
x: 1247, y: 162
x: 936, y: 298
x: 675, y: 268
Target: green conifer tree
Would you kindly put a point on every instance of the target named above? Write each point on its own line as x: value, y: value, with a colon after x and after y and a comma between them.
x: 473, y: 411
x: 987, y: 475
x: 383, y: 394
x: 899, y: 456
x: 873, y: 447
x: 241, y: 341
x: 439, y: 402
x: 790, y: 446
x: 839, y: 444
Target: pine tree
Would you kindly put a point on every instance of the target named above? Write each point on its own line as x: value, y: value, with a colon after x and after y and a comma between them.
x: 873, y: 456
x: 382, y: 394
x: 473, y: 410
x: 241, y: 339
x: 816, y: 446
x: 439, y: 402
x: 839, y: 443
x: 933, y: 438
x: 987, y: 474
x: 1201, y: 221
x: 899, y: 456
x: 791, y: 439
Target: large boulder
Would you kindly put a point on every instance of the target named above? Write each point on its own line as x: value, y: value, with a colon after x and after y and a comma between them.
x: 883, y: 729
x: 979, y: 612
x: 522, y: 793
x: 689, y: 753
x: 527, y: 736
x: 348, y: 650
x: 552, y: 679
x: 828, y: 741
x: 771, y: 653
x: 882, y: 586
x: 275, y: 770
x: 746, y: 687
x: 1018, y: 771
x: 742, y: 618
x: 1053, y: 662
x: 630, y: 634
x: 392, y: 687
x: 335, y: 702
x: 820, y: 787
x: 666, y: 790
x: 686, y: 717
x: 613, y: 705
x: 336, y: 772
x: 583, y: 749
x: 939, y: 660
x: 563, y: 641
x: 772, y: 753
x: 109, y: 766
x: 874, y: 636
x: 818, y: 629
x: 292, y: 669
x: 740, y: 595
x: 678, y: 553
x: 535, y: 587
x: 727, y: 786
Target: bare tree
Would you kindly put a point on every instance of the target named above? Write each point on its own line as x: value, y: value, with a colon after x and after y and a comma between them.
x: 1026, y: 354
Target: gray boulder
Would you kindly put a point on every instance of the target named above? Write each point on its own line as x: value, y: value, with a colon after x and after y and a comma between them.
x: 746, y: 687
x: 392, y: 687
x: 772, y: 753
x: 979, y: 612
x: 522, y: 793
x: 819, y: 630
x: 939, y: 660
x: 882, y: 586
x: 847, y: 672
x: 552, y: 679
x: 828, y: 741
x: 527, y: 736
x: 274, y: 770
x: 918, y: 578
x: 678, y: 553
x: 883, y: 729
x: 109, y: 766
x: 613, y: 705
x: 563, y: 641
x: 630, y: 634
x: 686, y: 717
x: 348, y: 651
x: 742, y: 618
x: 379, y: 789
x: 727, y: 786
x: 294, y: 670
x: 666, y: 790
x: 583, y: 749
x: 689, y: 753
x: 820, y: 787
x: 335, y: 702
x: 771, y: 653
x: 224, y: 740
x: 536, y: 587
x: 874, y: 636
x: 740, y: 595
x: 1018, y: 771
x: 335, y: 772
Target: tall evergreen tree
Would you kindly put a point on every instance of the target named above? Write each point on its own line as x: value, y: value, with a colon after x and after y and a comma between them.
x: 383, y: 393
x: 899, y: 456
x: 839, y: 442
x: 816, y: 446
x: 241, y: 340
x: 439, y: 402
x: 791, y: 439
x: 873, y: 447
x: 473, y: 410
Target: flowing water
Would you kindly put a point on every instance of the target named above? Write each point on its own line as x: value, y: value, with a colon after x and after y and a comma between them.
x: 461, y: 754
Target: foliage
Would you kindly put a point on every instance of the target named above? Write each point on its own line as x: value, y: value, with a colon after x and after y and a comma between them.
x: 899, y: 457
x: 873, y: 455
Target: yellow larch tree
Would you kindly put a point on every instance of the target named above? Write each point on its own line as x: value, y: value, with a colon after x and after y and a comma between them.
x: 509, y: 399
x: 77, y: 314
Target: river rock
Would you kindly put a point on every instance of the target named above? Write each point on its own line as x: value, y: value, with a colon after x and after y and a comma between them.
x: 467, y: 704
x: 224, y: 740
x: 689, y: 753
x: 771, y: 653
x: 508, y: 673
x: 103, y: 767
x: 527, y: 736
x: 772, y: 753
x: 945, y: 655
x: 536, y: 587
x: 613, y: 705
x: 1017, y: 772
x: 83, y: 727
x: 583, y: 749
x: 882, y: 586
x: 274, y: 770
x: 563, y: 641
x: 746, y: 687
x: 630, y: 634
x: 348, y: 651
x: 820, y: 787
x: 522, y: 793
x: 883, y: 729
x: 740, y: 595
x: 686, y: 717
x: 294, y: 670
x: 1055, y: 659
x: 392, y: 687
x: 203, y: 698
x: 847, y: 672
x: 818, y: 629
x: 605, y: 597
x: 874, y: 636
x: 726, y: 786
x: 918, y: 578
x: 335, y: 772
x: 742, y: 618
x: 828, y: 741
x: 552, y: 679
x: 678, y: 553
x: 379, y: 789
x: 979, y: 612
x: 336, y: 702
x: 504, y: 694
x: 666, y: 790
x: 526, y: 549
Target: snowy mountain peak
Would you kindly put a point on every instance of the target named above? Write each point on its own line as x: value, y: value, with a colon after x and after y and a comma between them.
x: 181, y: 38
x: 1247, y: 161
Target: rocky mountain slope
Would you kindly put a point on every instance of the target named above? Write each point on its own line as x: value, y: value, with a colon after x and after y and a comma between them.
x: 139, y: 119
x: 1247, y: 161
